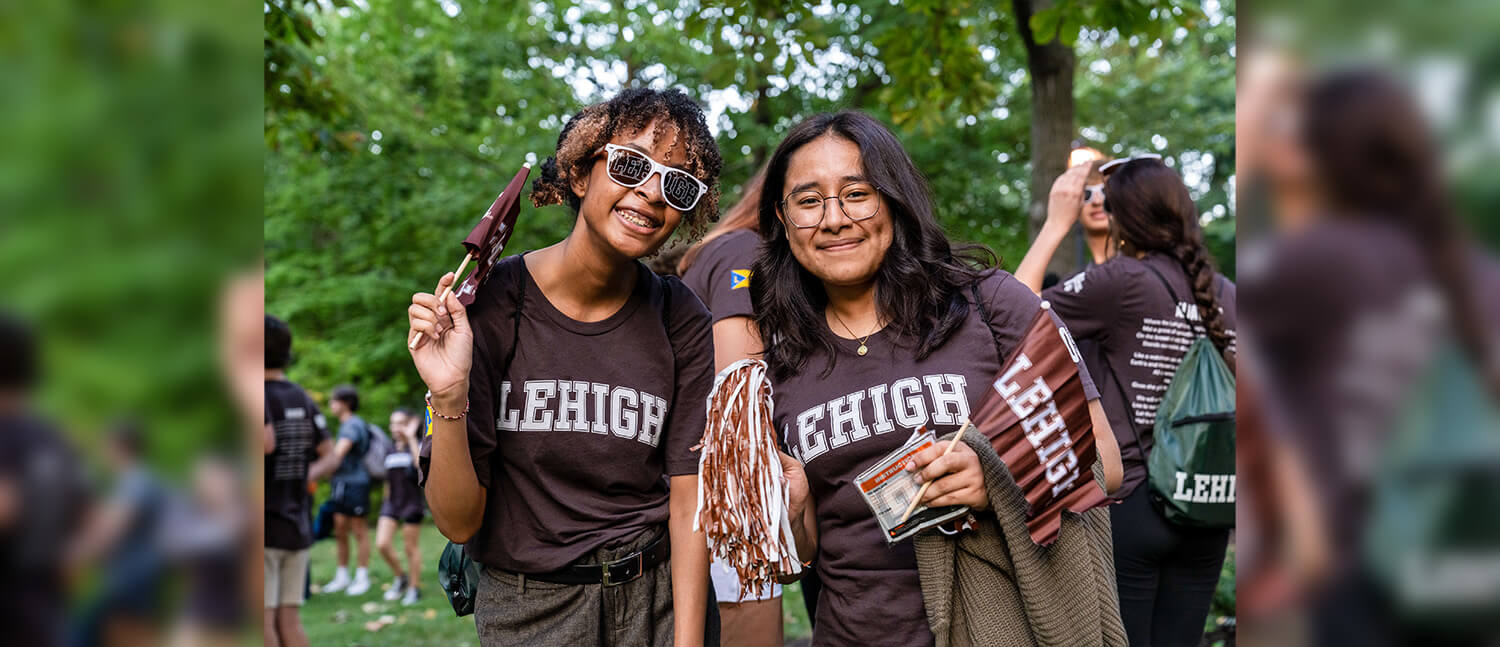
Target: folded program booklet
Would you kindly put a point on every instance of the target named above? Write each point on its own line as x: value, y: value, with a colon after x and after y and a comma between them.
x: 888, y: 489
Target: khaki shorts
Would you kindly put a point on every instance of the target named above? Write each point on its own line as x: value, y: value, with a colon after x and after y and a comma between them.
x: 286, y: 577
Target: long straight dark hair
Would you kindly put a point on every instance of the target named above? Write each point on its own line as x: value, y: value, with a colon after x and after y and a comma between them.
x: 1377, y: 161
x: 921, y: 285
x: 1151, y: 210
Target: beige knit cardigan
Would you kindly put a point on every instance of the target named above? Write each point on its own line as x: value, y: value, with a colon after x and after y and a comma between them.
x: 994, y: 587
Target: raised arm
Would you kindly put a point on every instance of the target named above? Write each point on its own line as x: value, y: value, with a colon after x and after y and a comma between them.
x: 1063, y: 204
x: 444, y: 356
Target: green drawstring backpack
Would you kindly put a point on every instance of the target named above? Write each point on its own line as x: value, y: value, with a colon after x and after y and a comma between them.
x: 1191, y: 469
x: 1432, y: 535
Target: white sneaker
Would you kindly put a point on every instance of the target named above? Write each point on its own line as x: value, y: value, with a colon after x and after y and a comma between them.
x: 398, y: 586
x: 412, y: 596
x: 339, y: 583
x: 360, y: 586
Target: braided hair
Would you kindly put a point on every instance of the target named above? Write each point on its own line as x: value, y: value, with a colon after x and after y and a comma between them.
x: 1152, y: 212
x: 627, y: 113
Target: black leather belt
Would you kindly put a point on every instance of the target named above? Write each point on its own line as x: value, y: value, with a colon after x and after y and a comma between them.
x: 615, y: 573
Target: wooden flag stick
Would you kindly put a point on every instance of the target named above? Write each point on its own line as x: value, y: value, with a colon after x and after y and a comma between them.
x: 458, y: 275
x: 951, y: 444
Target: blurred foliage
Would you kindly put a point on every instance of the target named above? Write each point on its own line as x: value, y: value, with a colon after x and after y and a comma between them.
x: 389, y: 130
x: 1449, y: 58
x: 126, y: 200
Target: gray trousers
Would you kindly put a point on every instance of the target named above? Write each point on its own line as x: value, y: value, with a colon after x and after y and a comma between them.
x: 511, y: 609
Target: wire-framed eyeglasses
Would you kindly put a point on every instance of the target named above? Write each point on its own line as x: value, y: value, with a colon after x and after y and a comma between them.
x: 806, y: 209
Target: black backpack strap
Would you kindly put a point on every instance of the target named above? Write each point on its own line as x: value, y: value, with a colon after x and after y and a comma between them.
x: 984, y: 314
x: 515, y: 330
x: 666, y: 325
x: 1176, y: 301
x: 1125, y: 401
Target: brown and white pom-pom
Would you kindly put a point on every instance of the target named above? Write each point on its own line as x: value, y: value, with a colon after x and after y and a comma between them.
x: 742, y: 494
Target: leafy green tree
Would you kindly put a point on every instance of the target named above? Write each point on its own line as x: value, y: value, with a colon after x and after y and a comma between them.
x: 409, y: 117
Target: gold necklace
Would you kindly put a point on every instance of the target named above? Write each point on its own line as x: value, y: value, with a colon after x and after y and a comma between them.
x: 862, y: 348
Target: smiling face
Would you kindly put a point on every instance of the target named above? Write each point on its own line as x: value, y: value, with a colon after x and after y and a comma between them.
x: 838, y: 251
x: 633, y: 222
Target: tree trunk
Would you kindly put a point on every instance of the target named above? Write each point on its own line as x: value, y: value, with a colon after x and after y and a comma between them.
x: 1052, y: 131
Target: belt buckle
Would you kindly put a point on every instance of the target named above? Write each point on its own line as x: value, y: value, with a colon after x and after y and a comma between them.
x: 640, y: 569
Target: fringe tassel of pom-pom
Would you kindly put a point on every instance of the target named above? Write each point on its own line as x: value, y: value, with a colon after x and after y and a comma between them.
x: 742, y: 496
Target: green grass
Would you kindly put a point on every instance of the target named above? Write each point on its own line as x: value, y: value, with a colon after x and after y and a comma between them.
x: 794, y: 622
x: 336, y: 619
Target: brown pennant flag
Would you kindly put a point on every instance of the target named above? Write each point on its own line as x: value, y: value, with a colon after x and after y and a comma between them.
x: 1037, y: 419
x: 488, y: 238
x: 485, y: 242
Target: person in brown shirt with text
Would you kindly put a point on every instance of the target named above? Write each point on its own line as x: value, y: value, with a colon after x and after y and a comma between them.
x: 1166, y: 573
x: 568, y: 398
x: 875, y: 326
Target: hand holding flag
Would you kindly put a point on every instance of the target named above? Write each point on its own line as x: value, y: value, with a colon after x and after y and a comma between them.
x: 484, y: 242
x: 1036, y: 417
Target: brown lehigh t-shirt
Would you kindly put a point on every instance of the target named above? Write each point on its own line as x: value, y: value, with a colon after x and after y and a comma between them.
x: 839, y: 424
x: 1121, y: 306
x: 574, y: 443
x: 720, y: 276
x: 299, y: 428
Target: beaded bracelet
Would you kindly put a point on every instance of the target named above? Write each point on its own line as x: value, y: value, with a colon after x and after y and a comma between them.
x: 440, y: 414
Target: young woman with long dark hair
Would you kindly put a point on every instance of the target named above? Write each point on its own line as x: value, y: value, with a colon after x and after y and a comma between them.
x: 1166, y: 573
x: 567, y: 399
x: 874, y: 326
x: 1359, y: 297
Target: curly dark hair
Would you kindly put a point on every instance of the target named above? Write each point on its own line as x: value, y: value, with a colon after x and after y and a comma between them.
x: 921, y: 285
x: 629, y: 112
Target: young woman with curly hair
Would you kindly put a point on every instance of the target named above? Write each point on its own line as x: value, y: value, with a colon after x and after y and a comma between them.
x: 572, y: 477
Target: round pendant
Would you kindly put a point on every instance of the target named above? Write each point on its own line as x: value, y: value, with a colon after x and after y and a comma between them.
x: 862, y: 350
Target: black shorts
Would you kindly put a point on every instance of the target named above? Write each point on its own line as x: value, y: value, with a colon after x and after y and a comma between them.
x: 404, y: 516
x: 351, y: 499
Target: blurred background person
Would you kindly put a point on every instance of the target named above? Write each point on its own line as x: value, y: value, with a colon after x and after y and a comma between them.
x: 43, y: 498
x: 1092, y: 218
x: 298, y: 451
x: 125, y: 536
x: 1157, y: 295
x: 206, y: 538
x: 717, y: 270
x: 1351, y: 308
x: 350, y: 493
x: 403, y: 505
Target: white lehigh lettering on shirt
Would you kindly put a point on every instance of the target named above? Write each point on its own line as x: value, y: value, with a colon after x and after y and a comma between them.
x: 564, y: 405
x: 1041, y: 423
x: 909, y: 403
